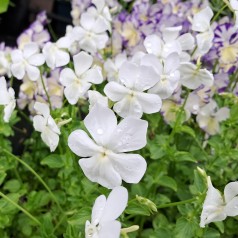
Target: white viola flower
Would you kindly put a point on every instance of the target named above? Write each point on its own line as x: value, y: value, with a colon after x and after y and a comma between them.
x: 26, y: 62
x: 77, y: 83
x: 55, y: 54
x: 96, y: 97
x: 172, y: 43
x: 103, y: 158
x: 201, y: 23
x: 234, y: 7
x: 209, y: 116
x: 168, y: 72
x: 112, y: 67
x: 192, y: 76
x: 104, y: 214
x: 91, y: 35
x: 216, y: 207
x: 7, y: 99
x: 130, y: 98
x: 44, y: 123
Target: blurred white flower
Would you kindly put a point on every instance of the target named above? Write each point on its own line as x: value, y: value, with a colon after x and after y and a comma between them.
x: 26, y: 62
x: 96, y: 97
x: 201, y: 23
x: 77, y: 83
x: 55, y: 55
x: 7, y: 98
x: 192, y: 76
x: 217, y: 208
x: 234, y: 7
x: 45, y: 124
x: 209, y: 116
x: 104, y: 214
x: 104, y: 160
x: 130, y: 98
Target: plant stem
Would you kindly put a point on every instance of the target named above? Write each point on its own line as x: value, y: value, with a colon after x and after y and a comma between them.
x: 37, y: 176
x: 177, y: 203
x: 20, y: 208
x: 47, y: 95
x: 218, y: 14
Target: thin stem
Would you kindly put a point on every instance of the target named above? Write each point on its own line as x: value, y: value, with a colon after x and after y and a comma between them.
x: 37, y: 176
x: 25, y: 116
x: 20, y: 208
x: 47, y: 95
x: 52, y: 32
x: 173, y: 204
x: 218, y: 14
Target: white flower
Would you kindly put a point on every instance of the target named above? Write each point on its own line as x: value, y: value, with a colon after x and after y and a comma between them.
x: 131, y: 98
x: 192, y: 76
x: 7, y: 98
x: 201, y: 23
x: 25, y: 62
x: 45, y: 124
x: 234, y: 6
x: 55, y: 55
x: 217, y: 208
x: 104, y: 214
x: 77, y: 83
x: 209, y: 116
x: 96, y: 97
x: 104, y: 160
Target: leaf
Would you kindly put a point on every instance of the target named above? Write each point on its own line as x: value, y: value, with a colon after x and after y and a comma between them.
x: 186, y: 129
x: 185, y: 228
x: 12, y: 185
x: 4, y: 5
x: 136, y: 208
x: 184, y: 156
x: 81, y: 217
x: 167, y: 181
x: 2, y: 176
x: 53, y: 161
x: 211, y: 233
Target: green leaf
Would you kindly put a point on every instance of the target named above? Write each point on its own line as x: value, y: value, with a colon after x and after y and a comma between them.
x: 184, y: 156
x: 2, y: 176
x: 211, y: 233
x: 186, y: 129
x: 12, y: 185
x: 167, y: 181
x: 53, y: 161
x: 136, y: 208
x: 185, y: 228
x: 4, y: 5
x: 81, y: 217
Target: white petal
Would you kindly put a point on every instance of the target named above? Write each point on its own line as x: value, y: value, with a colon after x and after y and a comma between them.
x: 81, y: 144
x: 150, y: 103
x: 128, y: 74
x: 129, y: 135
x: 8, y: 110
x: 234, y: 4
x: 4, y: 95
x: 128, y: 106
x: 87, y: 21
x: 230, y: 191
x: 36, y: 60
x: 100, y: 40
x: 153, y: 61
x: 171, y: 63
x: 67, y: 76
x: 153, y: 44
x: 110, y: 229
x: 116, y: 91
x: 231, y: 208
x: 96, y: 97
x: 100, y: 122
x: 186, y: 41
x: 94, y: 75
x: 98, y: 209
x: 16, y: 56
x: 42, y: 109
x: 64, y: 42
x: 39, y: 123
x: 115, y: 205
x: 82, y: 62
x: 100, y: 172
x: 33, y: 72
x: 171, y: 33
x: 131, y: 167
x: 61, y: 58
x: 18, y: 70
x: 30, y: 49
x: 223, y: 114
x: 52, y: 125
x: 49, y: 56
x: 50, y: 138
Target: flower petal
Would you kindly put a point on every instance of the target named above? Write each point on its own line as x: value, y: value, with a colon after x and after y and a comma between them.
x: 61, y: 58
x: 116, y: 91
x: 18, y: 70
x: 131, y: 167
x: 82, y: 62
x: 42, y: 109
x: 115, y: 205
x: 100, y: 122
x: 153, y: 44
x: 50, y: 138
x: 230, y: 191
x: 67, y: 76
x: 33, y: 72
x: 39, y: 123
x: 94, y: 75
x: 30, y: 49
x: 129, y: 135
x: 231, y: 208
x: 128, y: 74
x: 81, y: 144
x: 98, y: 209
x: 36, y: 60
x: 100, y: 171
x: 110, y: 229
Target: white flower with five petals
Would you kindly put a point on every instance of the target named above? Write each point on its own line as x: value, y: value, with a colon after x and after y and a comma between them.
x: 45, y: 124
x: 77, y: 83
x: 103, y: 158
x: 234, y: 7
x: 130, y: 98
x: 26, y: 62
x: 7, y: 98
x: 217, y: 208
x: 104, y: 214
